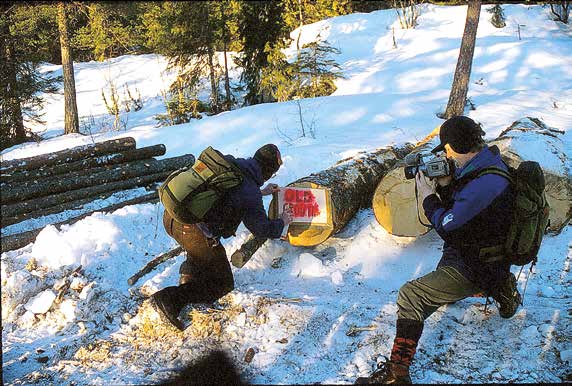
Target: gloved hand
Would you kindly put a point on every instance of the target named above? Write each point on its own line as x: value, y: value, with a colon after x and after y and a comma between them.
x: 425, y: 187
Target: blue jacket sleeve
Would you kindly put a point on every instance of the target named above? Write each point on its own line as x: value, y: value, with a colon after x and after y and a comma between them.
x: 451, y: 222
x: 258, y: 223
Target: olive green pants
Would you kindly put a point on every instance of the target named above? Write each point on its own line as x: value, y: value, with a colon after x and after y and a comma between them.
x: 419, y: 298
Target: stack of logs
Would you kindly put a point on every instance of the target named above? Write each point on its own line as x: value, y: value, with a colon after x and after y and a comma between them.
x: 69, y: 179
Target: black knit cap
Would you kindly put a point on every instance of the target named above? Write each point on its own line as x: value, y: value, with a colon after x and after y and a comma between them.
x: 461, y: 133
x: 267, y: 157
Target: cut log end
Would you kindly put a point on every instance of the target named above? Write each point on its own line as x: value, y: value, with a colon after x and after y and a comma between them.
x: 395, y: 208
x: 305, y: 235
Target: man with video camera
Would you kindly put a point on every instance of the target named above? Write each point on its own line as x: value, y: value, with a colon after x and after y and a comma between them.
x: 469, y: 212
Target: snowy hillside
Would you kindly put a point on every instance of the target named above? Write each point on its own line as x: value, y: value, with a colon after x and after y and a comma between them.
x: 294, y: 306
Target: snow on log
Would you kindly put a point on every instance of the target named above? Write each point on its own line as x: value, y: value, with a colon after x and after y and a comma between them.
x: 20, y: 240
x: 70, y: 205
x: 529, y: 139
x: 351, y: 183
x: 19, y: 192
x: 85, y: 164
x: 68, y: 155
x: 79, y: 194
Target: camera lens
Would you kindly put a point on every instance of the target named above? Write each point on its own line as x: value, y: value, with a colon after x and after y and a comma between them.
x: 410, y: 172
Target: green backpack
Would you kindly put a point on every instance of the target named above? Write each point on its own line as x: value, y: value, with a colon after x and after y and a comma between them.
x: 530, y: 216
x: 189, y: 193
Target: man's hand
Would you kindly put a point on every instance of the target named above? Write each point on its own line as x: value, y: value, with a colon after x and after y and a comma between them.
x: 425, y: 188
x: 287, y: 216
x: 269, y: 189
x: 444, y: 181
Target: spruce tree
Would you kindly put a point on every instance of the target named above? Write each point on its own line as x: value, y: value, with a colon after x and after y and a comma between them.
x: 21, y: 82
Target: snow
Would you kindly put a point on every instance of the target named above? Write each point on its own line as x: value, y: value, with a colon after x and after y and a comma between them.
x: 294, y: 306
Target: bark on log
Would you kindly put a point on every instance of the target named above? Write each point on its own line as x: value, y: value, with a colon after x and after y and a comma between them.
x: 154, y: 263
x: 522, y: 141
x: 68, y: 155
x: 20, y: 192
x: 78, y: 194
x: 394, y: 203
x: 85, y: 164
x: 20, y: 240
x: 351, y: 183
x: 71, y: 205
x: 246, y: 251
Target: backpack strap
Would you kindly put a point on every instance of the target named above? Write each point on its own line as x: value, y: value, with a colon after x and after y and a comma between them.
x: 496, y: 170
x: 496, y: 252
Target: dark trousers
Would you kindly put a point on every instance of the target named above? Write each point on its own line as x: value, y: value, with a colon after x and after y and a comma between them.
x: 207, y: 271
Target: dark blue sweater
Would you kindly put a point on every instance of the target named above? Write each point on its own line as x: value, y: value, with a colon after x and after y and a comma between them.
x: 243, y: 203
x: 473, y: 213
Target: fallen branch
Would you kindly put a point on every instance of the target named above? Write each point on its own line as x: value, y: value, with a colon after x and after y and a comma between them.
x: 154, y: 263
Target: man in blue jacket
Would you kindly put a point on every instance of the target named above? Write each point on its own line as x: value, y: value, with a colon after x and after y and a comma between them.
x: 206, y: 275
x: 469, y: 213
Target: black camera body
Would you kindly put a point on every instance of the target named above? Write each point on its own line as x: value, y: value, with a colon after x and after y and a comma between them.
x: 438, y: 166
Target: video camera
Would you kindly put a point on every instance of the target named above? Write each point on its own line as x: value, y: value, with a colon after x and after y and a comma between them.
x: 437, y: 166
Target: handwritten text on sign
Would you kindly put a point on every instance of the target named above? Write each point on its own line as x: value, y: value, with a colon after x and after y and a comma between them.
x: 308, y: 205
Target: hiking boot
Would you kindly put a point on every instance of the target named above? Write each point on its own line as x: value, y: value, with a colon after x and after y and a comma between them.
x: 508, y: 298
x: 169, y: 313
x: 387, y: 373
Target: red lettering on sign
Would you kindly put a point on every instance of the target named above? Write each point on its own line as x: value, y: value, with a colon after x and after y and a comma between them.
x: 303, y: 203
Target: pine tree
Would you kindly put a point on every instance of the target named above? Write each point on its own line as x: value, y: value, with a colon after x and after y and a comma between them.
x: 21, y: 83
x: 109, y: 29
x: 260, y: 22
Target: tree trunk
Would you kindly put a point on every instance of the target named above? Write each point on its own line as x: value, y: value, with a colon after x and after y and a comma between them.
x: 214, y: 88
x: 78, y: 194
x: 86, y: 164
x: 68, y: 155
x: 351, y: 184
x: 12, y: 114
x: 225, y: 48
x: 34, y: 189
x: 458, y: 96
x: 71, y: 119
x: 20, y: 240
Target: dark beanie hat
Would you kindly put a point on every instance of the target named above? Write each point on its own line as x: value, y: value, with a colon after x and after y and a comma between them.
x: 267, y: 157
x: 461, y: 133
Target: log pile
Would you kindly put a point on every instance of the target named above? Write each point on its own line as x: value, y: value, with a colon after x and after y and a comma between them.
x: 69, y: 179
x: 351, y: 184
x: 526, y: 139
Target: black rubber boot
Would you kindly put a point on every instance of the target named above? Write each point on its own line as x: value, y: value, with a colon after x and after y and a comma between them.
x: 508, y: 298
x: 162, y: 302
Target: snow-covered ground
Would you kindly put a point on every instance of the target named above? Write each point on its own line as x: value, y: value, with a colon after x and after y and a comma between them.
x: 295, y: 306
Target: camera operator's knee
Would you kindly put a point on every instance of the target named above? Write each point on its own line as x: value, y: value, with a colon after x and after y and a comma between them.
x: 410, y: 304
